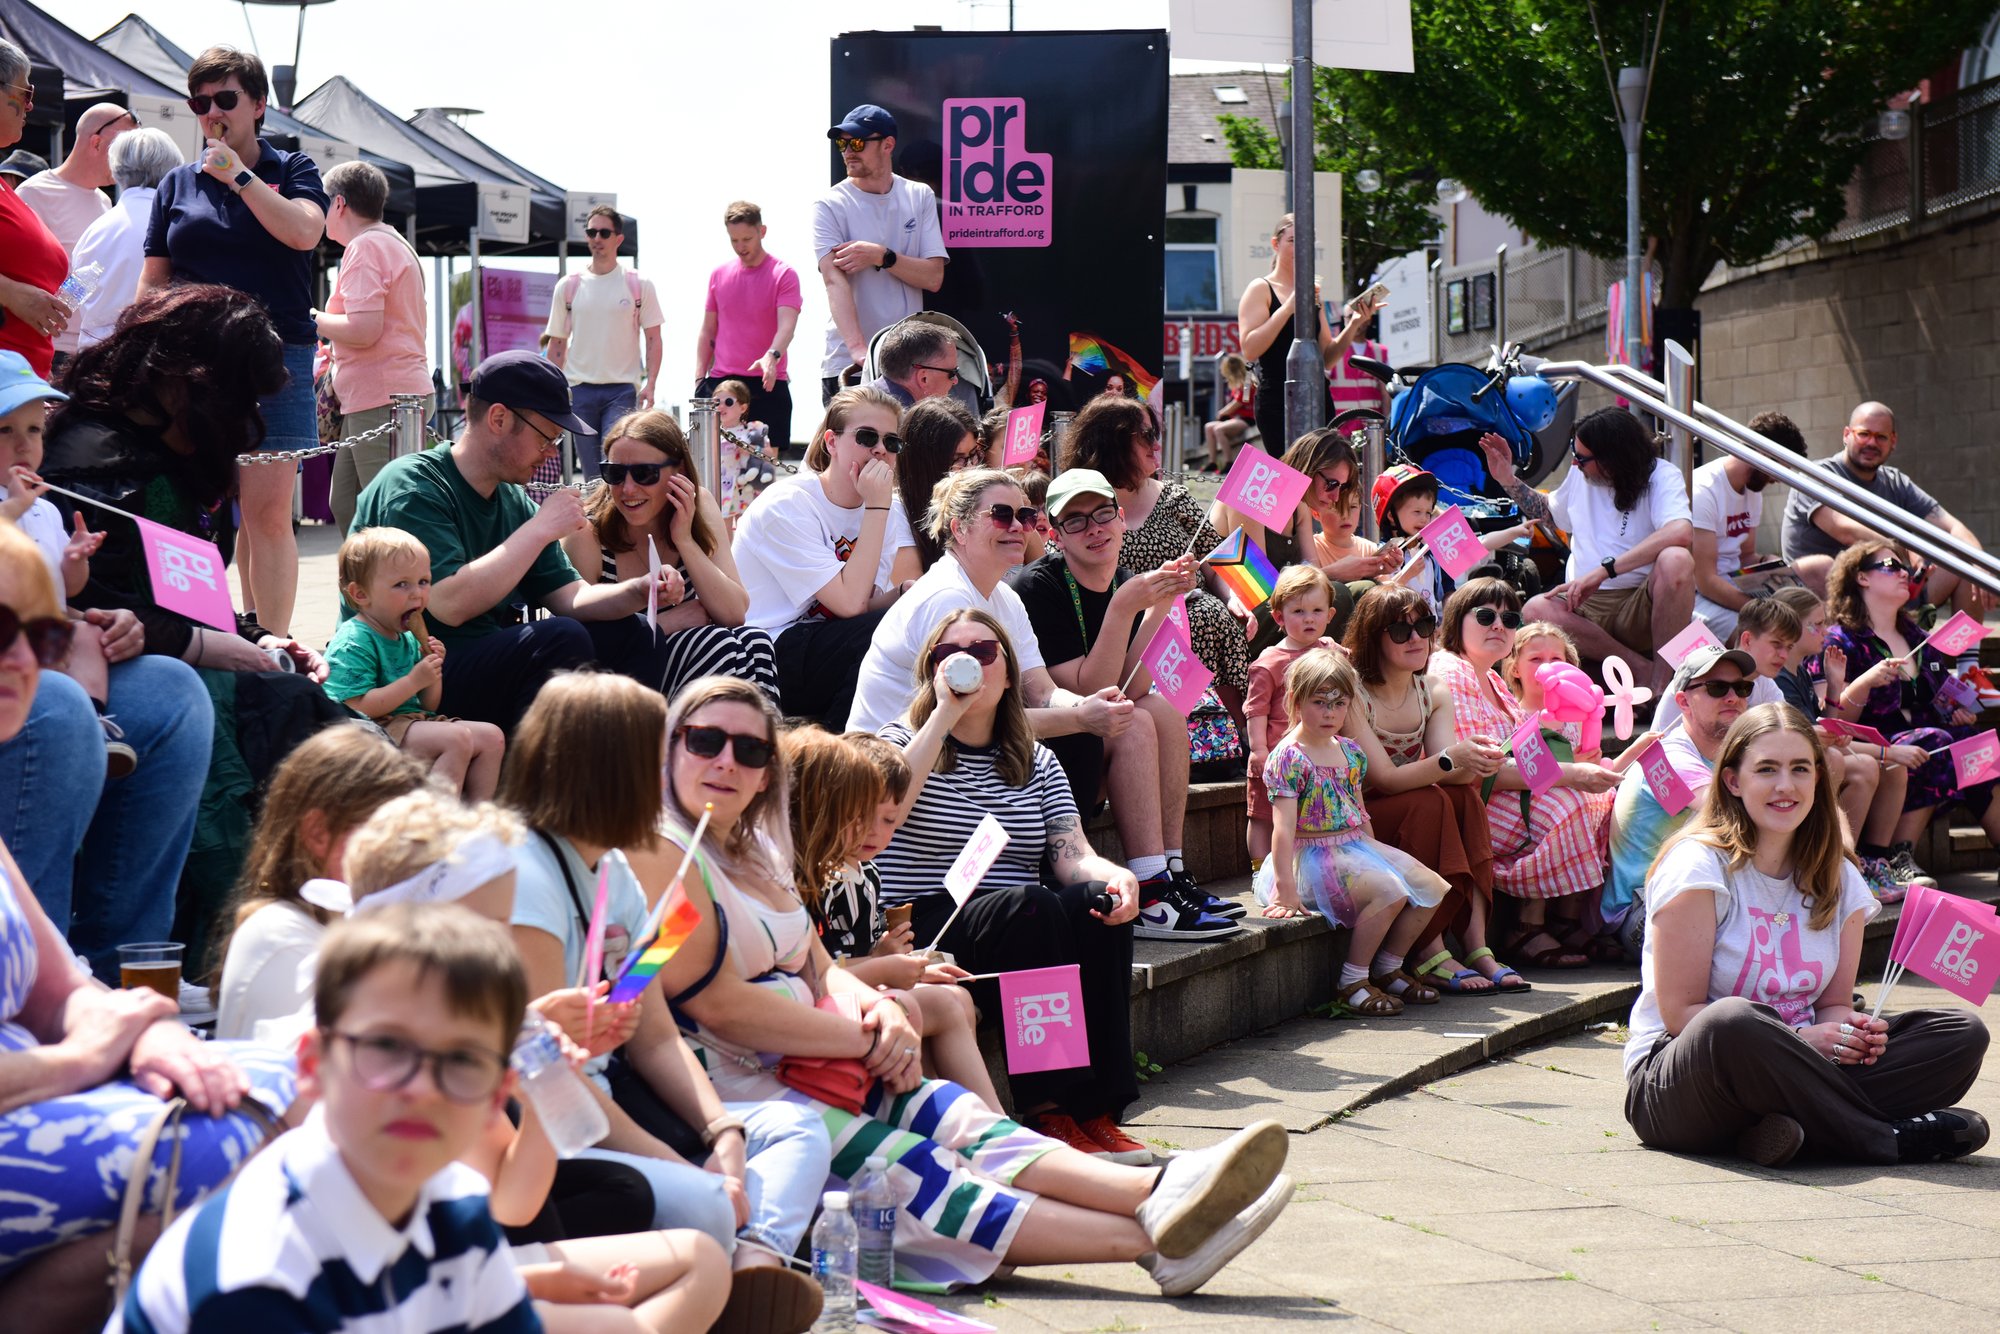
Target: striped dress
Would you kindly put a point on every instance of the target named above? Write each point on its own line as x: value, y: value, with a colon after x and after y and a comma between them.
x: 709, y: 650
x: 1563, y: 846
x: 952, y: 1159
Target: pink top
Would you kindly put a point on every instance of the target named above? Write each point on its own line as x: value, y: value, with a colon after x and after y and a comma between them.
x: 746, y: 302
x: 379, y: 271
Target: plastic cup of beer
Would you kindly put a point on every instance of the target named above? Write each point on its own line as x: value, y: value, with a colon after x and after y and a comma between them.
x: 155, y: 964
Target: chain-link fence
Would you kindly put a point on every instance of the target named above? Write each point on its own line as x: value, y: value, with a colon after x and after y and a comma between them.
x: 1949, y: 157
x: 1536, y: 297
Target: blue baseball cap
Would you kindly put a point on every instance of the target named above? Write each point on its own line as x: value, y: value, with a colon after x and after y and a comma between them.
x: 523, y: 381
x: 866, y: 121
x: 19, y: 384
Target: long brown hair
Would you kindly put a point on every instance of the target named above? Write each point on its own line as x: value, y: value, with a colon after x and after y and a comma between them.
x: 1316, y: 451
x: 1723, y: 824
x: 656, y: 430
x: 1844, y: 604
x: 584, y: 763
x: 1379, y: 608
x: 847, y: 788
x: 1104, y: 437
x: 1625, y: 452
x: 1011, y: 729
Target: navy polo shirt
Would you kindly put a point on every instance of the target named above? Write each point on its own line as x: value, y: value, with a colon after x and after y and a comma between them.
x: 207, y: 232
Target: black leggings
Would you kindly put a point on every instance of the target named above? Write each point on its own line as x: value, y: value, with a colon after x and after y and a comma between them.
x: 591, y: 1198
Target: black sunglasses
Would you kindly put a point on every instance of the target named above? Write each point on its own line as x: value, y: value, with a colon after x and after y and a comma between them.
x: 1005, y: 516
x: 1487, y: 615
x: 48, y: 636
x: 226, y: 99
x: 645, y: 474
x: 984, y: 652
x: 752, y: 752
x: 941, y: 370
x: 1400, y: 631
x: 726, y: 401
x: 1717, y: 689
x: 1890, y: 566
x: 868, y: 437
x: 1076, y: 523
x: 599, y: 233
x: 1580, y: 457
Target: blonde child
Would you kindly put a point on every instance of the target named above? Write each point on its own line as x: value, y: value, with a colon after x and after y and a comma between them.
x: 1321, y: 844
x: 1538, y: 644
x: 1238, y: 414
x: 1301, y: 603
x: 748, y: 451
x: 382, y: 665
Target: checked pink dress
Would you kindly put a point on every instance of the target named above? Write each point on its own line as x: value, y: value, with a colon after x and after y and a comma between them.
x: 1563, y: 845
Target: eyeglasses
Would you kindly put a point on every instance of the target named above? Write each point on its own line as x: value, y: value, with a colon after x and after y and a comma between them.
x: 1580, y: 457
x: 599, y: 233
x: 1005, y: 516
x: 1487, y: 615
x: 752, y: 752
x: 986, y: 652
x: 548, y: 441
x: 1887, y: 566
x: 48, y: 636
x: 941, y: 370
x: 645, y: 474
x: 868, y: 437
x: 226, y: 100
x: 849, y: 144
x: 1717, y: 689
x: 383, y: 1064
x: 960, y: 462
x: 27, y: 95
x: 1099, y: 518
x: 726, y: 401
x: 1401, y: 631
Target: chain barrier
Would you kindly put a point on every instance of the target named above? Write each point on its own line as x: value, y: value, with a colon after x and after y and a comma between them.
x: 297, y: 456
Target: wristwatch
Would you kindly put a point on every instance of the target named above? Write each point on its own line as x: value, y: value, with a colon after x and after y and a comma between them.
x: 1445, y: 764
x: 888, y: 259
x: 1610, y: 564
x: 243, y: 179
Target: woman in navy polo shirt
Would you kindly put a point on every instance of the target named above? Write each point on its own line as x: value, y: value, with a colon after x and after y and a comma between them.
x: 248, y: 215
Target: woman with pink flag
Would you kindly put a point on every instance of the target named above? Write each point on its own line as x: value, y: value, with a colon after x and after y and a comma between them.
x: 1743, y: 1037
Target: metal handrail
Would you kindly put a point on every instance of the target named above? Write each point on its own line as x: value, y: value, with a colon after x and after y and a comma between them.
x: 1767, y: 456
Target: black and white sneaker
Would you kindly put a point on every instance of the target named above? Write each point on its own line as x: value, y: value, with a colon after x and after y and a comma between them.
x: 1167, y: 913
x: 1949, y: 1132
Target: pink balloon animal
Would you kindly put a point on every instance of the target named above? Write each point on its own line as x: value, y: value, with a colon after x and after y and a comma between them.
x: 1570, y: 696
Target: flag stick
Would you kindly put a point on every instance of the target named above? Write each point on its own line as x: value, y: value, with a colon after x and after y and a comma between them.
x: 947, y: 923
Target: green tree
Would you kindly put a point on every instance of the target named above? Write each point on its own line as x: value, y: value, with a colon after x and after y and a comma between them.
x: 1752, y: 130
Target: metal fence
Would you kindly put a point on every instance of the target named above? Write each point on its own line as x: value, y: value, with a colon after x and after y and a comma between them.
x: 1949, y: 158
x: 1535, y: 297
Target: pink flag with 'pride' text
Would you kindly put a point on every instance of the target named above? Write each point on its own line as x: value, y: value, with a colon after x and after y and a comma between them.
x: 1958, y: 948
x: 1042, y: 1017
x: 1263, y: 488
x: 1532, y: 756
x: 1024, y: 434
x: 1177, y: 673
x: 188, y: 575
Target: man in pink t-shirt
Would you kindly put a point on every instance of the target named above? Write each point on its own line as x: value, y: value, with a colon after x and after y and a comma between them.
x: 753, y: 310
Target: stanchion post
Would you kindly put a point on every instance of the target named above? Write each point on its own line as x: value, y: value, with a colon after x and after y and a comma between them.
x: 704, y: 435
x: 1058, y: 433
x: 408, y: 410
x: 1372, y: 463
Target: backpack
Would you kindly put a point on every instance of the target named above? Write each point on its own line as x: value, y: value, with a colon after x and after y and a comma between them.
x: 566, y: 289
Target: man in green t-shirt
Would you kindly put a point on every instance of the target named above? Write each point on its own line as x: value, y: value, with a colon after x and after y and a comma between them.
x: 492, y: 548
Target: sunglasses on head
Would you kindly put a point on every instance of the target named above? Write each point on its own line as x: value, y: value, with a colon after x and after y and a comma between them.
x: 1400, y: 631
x: 849, y: 144
x: 1076, y: 523
x: 1005, y: 516
x: 1717, y: 689
x: 1487, y: 615
x: 226, y: 100
x: 599, y: 233
x: 752, y: 752
x: 985, y: 652
x: 868, y: 437
x: 48, y: 636
x: 645, y: 474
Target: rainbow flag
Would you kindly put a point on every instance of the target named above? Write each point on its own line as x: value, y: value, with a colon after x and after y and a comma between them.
x: 1244, y: 569
x: 1091, y: 353
x: 644, y: 963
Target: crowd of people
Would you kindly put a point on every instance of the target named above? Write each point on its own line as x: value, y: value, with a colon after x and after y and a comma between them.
x: 776, y: 719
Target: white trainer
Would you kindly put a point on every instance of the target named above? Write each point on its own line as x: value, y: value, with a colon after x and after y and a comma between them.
x: 1200, y: 1192
x: 1178, y: 1278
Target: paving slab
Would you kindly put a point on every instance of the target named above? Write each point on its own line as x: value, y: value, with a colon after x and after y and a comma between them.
x: 1889, y: 1309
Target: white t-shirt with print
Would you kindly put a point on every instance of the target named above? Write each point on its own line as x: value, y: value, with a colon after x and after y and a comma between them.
x: 43, y: 522
x: 1597, y: 528
x: 604, y: 341
x: 905, y: 219
x: 1730, y: 514
x: 1764, y: 950
x: 888, y: 682
x: 793, y: 541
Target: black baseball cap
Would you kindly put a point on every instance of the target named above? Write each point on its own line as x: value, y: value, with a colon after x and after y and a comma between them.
x: 23, y: 163
x: 866, y: 121
x: 523, y: 381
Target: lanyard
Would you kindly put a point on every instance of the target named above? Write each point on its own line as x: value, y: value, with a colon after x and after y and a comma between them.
x: 1076, y: 601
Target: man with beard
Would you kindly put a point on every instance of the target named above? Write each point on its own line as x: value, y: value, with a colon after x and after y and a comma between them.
x: 1728, y: 505
x: 1815, y: 533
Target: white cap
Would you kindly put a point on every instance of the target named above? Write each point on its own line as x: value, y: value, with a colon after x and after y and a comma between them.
x: 878, y: 1160
x: 834, y: 1199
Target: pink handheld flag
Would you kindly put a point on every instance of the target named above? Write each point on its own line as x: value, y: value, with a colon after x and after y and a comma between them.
x: 188, y: 575
x: 1976, y: 759
x: 1532, y: 756
x: 1452, y: 542
x: 1043, y: 1019
x: 901, y: 1312
x: 1024, y: 434
x: 975, y: 859
x: 1178, y: 674
x: 1859, y: 731
x: 593, y: 940
x: 1958, y: 949
x: 1671, y: 790
x: 1957, y: 635
x: 1263, y: 488
x: 1675, y: 650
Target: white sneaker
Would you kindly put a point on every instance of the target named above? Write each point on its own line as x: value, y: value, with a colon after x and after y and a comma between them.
x: 1178, y: 1278
x: 1201, y: 1191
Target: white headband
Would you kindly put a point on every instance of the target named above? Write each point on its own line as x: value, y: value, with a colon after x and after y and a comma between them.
x: 475, y: 862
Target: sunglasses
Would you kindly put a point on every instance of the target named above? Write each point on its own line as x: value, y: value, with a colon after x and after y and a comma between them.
x: 48, y: 636
x: 752, y: 752
x: 109, y: 125
x: 1580, y: 457
x: 1401, y: 631
x: 985, y: 652
x: 1005, y: 516
x: 849, y: 144
x: 1099, y: 517
x: 26, y: 94
x: 868, y: 437
x: 1487, y: 615
x: 941, y: 370
x: 1887, y: 566
x: 599, y: 233
x: 726, y: 401
x: 1717, y: 689
x: 645, y: 474
x: 226, y: 100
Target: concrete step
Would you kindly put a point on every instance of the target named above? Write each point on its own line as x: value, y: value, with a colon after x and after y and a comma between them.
x: 1213, y: 839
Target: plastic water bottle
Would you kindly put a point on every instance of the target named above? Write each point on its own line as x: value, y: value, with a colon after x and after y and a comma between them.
x: 875, y: 1219
x: 80, y: 286
x: 570, y: 1116
x: 835, y: 1253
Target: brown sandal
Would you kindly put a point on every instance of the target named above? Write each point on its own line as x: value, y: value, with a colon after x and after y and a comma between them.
x: 1375, y: 1003
x: 1558, y: 955
x: 1412, y: 991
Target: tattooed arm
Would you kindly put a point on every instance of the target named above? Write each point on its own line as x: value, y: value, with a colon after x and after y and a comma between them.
x: 1500, y: 462
x: 1071, y: 858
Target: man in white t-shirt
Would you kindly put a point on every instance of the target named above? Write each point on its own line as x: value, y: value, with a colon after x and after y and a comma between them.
x: 1728, y: 504
x: 1630, y: 584
x: 596, y: 323
x: 70, y: 197
x: 878, y: 241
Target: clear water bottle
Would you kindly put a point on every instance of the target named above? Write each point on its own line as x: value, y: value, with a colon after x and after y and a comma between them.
x: 874, y: 1207
x: 835, y: 1253
x: 80, y: 286
x: 570, y: 1115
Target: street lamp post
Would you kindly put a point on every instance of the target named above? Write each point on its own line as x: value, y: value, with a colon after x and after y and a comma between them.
x: 284, y: 78
x: 1632, y: 125
x: 1305, y: 380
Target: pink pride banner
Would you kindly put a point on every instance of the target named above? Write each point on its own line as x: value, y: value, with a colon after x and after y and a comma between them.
x: 1958, y: 948
x: 1916, y: 910
x: 1674, y: 652
x: 975, y: 859
x: 1976, y: 759
x: 1263, y: 488
x: 1452, y: 543
x: 1957, y: 635
x: 1177, y: 673
x: 1668, y: 786
x: 1024, y: 434
x: 188, y: 575
x: 900, y: 1311
x: 1859, y: 731
x: 1042, y: 1019
x: 1532, y: 756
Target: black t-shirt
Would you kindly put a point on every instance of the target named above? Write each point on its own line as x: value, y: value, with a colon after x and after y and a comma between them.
x: 1046, y: 594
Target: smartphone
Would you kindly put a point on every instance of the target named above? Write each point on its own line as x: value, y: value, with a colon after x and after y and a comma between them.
x: 898, y: 915
x: 1763, y: 566
x: 1377, y: 293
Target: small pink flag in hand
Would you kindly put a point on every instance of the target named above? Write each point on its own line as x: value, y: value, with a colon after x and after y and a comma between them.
x: 1538, y: 764
x: 1668, y: 786
x: 188, y: 575
x: 1859, y: 731
x: 1042, y: 1017
x: 1958, y: 948
x: 1957, y: 635
x: 1178, y: 674
x: 1024, y: 434
x: 1976, y: 759
x: 1452, y: 543
x: 975, y: 859
x: 1675, y: 650
x: 1263, y: 488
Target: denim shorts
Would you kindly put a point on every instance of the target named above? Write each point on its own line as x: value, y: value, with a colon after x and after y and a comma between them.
x: 290, y: 419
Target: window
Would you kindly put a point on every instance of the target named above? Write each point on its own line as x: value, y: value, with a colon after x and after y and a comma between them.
x: 1231, y: 95
x: 1194, y: 264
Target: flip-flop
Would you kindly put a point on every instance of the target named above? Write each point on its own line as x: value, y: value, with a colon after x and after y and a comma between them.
x: 1432, y: 972
x: 1499, y: 985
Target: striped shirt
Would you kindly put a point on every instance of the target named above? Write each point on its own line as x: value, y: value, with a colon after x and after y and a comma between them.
x: 950, y: 807
x: 293, y: 1245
